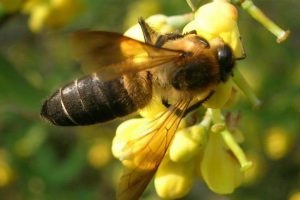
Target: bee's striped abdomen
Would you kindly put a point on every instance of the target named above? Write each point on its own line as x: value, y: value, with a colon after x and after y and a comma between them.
x: 88, y: 101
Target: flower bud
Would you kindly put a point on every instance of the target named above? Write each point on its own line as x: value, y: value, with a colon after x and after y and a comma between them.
x: 132, y: 136
x: 173, y: 180
x: 126, y: 132
x: 187, y: 143
x: 218, y: 19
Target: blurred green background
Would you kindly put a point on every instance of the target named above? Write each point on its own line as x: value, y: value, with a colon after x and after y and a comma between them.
x: 40, y: 161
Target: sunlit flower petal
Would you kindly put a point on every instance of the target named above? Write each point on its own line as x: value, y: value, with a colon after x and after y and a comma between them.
x: 153, y: 109
x: 218, y: 19
x: 221, y: 96
x: 173, y: 180
x: 161, y: 23
x: 187, y: 143
x: 127, y: 132
x: 219, y: 168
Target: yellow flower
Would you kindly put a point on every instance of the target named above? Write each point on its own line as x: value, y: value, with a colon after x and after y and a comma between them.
x: 51, y: 13
x: 159, y: 22
x: 219, y: 168
x: 218, y: 19
x: 187, y: 143
x: 174, y: 180
x: 278, y: 143
x: 221, y: 162
x: 221, y: 96
x: 213, y: 152
x: 153, y: 109
x: 206, y: 148
x: 128, y: 131
x: 96, y: 159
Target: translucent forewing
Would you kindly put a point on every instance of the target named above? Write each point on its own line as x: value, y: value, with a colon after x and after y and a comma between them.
x: 113, y: 54
x: 150, y: 150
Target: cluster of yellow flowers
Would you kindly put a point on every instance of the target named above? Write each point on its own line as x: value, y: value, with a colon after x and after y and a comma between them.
x: 45, y: 13
x: 207, y: 149
x: 210, y: 148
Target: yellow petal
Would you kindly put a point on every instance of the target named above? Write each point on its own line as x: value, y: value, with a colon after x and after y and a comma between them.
x: 135, y: 32
x: 153, y: 109
x: 217, y: 16
x: 218, y: 19
x: 187, y: 143
x: 157, y: 22
x: 219, y: 168
x: 221, y: 95
x: 131, y: 139
x: 127, y: 131
x: 173, y: 180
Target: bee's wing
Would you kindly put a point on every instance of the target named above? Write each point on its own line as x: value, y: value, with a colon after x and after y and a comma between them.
x: 113, y: 54
x: 152, y: 147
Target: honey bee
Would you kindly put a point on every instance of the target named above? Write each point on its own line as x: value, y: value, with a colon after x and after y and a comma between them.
x: 183, y: 69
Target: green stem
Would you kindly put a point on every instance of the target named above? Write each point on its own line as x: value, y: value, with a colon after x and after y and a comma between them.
x: 218, y: 118
x: 242, y: 84
x: 236, y: 150
x: 257, y: 14
x: 179, y: 21
x: 207, y: 119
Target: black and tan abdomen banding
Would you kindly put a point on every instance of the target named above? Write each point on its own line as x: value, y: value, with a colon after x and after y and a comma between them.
x: 89, y: 100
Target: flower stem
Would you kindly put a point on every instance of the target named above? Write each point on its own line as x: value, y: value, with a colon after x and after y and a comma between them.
x: 257, y: 14
x: 179, y: 21
x: 207, y: 119
x: 236, y: 150
x: 230, y: 141
x: 242, y: 84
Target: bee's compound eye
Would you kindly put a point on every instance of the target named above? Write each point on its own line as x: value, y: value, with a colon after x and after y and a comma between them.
x: 226, y: 60
x: 224, y: 55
